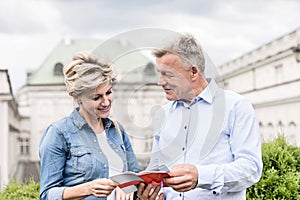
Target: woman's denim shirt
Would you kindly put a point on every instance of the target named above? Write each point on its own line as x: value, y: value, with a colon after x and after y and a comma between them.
x: 70, y: 155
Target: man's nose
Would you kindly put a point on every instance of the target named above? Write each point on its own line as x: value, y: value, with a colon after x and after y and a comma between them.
x: 161, y: 81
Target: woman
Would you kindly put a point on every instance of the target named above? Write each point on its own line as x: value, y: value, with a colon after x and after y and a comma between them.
x: 79, y: 152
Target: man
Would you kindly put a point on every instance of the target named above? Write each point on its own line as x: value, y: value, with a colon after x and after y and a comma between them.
x: 209, y: 137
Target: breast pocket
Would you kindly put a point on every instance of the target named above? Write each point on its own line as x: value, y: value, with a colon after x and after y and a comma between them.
x: 82, y: 159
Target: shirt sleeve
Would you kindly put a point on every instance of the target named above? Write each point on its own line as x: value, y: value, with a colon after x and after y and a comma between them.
x: 52, y: 159
x: 245, y: 145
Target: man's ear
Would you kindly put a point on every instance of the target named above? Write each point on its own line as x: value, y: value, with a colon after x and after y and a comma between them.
x: 194, y: 72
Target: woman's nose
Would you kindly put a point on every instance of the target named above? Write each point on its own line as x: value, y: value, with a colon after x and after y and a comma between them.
x: 105, y: 101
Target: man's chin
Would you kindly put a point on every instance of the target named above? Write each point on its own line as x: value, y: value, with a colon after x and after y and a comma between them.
x: 170, y: 97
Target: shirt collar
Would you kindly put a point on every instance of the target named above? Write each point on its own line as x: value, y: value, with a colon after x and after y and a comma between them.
x: 206, y: 95
x: 79, y: 121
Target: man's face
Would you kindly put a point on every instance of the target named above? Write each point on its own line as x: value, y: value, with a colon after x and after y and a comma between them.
x: 174, y: 79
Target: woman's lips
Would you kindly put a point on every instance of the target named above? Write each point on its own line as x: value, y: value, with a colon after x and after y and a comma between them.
x: 106, y: 109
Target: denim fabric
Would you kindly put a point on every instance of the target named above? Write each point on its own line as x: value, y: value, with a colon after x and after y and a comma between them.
x: 70, y: 155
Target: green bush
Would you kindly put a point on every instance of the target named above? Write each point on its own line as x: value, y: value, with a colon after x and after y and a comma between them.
x: 17, y: 191
x: 281, y: 172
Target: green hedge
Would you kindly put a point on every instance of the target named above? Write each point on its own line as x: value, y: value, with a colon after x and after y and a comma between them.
x: 17, y: 191
x: 281, y: 172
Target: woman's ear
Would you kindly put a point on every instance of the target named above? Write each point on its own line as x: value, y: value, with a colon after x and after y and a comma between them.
x: 78, y: 100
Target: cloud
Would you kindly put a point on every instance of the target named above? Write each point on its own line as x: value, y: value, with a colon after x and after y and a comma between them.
x: 28, y: 17
x: 225, y: 28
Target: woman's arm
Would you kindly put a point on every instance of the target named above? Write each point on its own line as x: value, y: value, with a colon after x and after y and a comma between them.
x: 99, y: 188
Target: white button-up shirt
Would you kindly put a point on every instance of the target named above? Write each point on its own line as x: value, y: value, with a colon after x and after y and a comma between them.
x: 218, y: 133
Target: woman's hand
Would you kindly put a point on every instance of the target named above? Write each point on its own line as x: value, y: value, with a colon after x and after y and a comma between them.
x: 120, y: 195
x: 102, y: 187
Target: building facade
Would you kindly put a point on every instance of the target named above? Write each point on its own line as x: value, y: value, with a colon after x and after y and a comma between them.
x: 10, y: 132
x: 269, y: 77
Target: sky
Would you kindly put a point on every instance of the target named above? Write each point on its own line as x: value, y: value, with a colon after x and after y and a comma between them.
x: 226, y: 29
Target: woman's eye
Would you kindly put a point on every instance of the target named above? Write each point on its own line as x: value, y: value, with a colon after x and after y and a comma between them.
x: 96, y: 98
x: 108, y: 92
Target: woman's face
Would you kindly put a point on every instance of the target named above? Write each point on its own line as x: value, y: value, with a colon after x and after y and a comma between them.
x: 96, y: 104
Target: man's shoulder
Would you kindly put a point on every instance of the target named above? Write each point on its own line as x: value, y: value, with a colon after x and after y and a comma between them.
x: 233, y: 96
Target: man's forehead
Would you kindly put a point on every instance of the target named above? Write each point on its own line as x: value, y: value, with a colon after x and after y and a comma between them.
x: 169, y: 60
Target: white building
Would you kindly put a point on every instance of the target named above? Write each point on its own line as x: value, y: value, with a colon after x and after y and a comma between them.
x: 10, y: 132
x: 269, y: 76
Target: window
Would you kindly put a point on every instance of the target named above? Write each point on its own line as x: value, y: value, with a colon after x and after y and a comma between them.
x: 280, y: 124
x: 292, y: 124
x: 261, y: 125
x: 149, y: 69
x: 58, y: 69
x: 278, y: 73
x: 24, y: 146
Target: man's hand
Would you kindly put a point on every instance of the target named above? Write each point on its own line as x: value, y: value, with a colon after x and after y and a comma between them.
x: 184, y: 177
x: 149, y: 192
x: 120, y: 195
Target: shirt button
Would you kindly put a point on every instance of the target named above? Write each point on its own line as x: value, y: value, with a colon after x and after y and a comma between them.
x: 180, y: 194
x: 95, y: 141
x: 183, y: 148
x: 79, y: 152
x: 185, y: 127
x: 104, y: 166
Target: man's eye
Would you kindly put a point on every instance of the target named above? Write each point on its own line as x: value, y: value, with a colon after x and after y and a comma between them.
x: 168, y: 75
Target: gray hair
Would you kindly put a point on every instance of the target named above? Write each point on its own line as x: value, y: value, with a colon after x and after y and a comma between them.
x: 86, y: 73
x: 187, y: 48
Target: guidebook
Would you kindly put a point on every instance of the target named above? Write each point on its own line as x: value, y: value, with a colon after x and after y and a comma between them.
x: 128, y: 180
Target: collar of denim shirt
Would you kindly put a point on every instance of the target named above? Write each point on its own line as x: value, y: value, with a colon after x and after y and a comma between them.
x: 79, y: 121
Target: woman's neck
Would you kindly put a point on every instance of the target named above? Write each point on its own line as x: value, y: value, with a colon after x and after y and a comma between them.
x: 95, y: 123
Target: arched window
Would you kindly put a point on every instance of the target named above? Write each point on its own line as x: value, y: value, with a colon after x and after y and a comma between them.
x: 280, y: 124
x: 261, y: 125
x: 149, y: 69
x: 58, y: 69
x: 270, y: 124
x: 292, y: 124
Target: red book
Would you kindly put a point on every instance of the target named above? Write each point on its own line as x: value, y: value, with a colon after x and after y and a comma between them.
x: 128, y: 179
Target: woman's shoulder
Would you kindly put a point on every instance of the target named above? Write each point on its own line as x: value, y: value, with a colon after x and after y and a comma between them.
x: 63, y: 124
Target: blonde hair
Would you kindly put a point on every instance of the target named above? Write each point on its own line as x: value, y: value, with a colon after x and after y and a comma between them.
x: 187, y: 48
x: 86, y: 72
